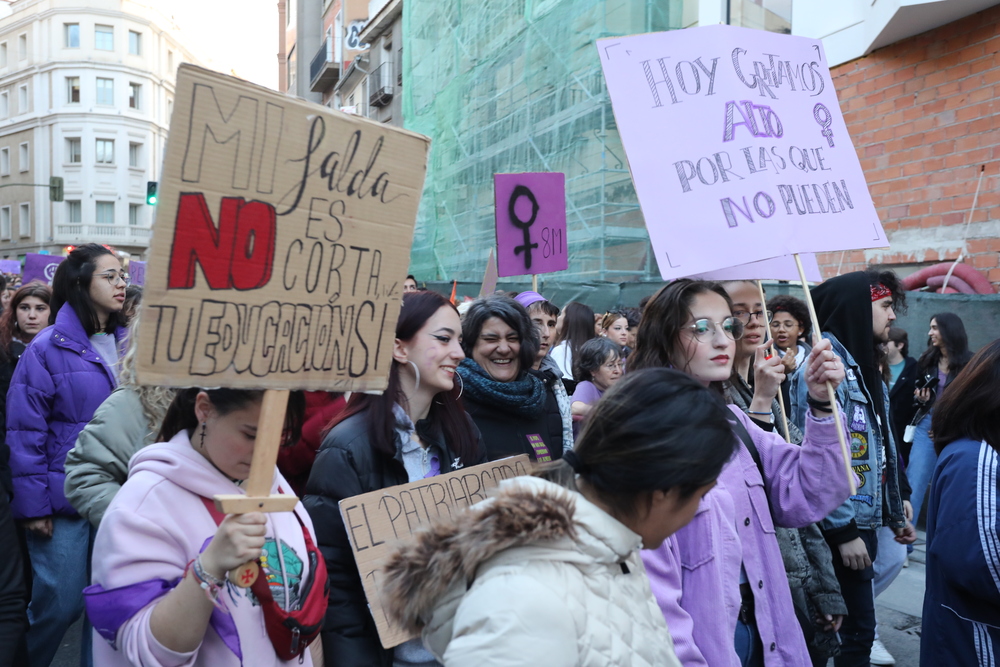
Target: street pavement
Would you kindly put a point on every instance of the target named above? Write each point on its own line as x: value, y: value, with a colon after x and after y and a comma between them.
x: 898, y: 610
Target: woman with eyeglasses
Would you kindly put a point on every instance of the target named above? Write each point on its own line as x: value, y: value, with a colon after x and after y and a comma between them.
x: 597, y: 367
x: 720, y: 581
x: 60, y: 381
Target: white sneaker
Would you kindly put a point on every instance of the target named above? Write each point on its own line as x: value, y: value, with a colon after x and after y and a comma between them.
x: 879, y: 655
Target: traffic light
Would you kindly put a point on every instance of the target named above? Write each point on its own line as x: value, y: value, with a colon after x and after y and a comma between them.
x: 56, y: 188
x: 151, y: 193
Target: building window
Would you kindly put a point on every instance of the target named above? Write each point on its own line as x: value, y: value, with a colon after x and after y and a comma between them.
x: 105, y: 151
x: 135, y: 43
x: 72, y: 90
x: 73, y: 154
x: 23, y: 161
x: 3, y: 54
x: 104, y: 38
x: 170, y: 60
x: 4, y: 104
x: 290, y: 74
x: 170, y: 108
x: 133, y: 95
x: 106, y: 91
x: 24, y: 220
x: 22, y: 47
x: 133, y: 214
x: 5, y: 223
x: 71, y: 33
x: 105, y: 213
x: 74, y: 211
x: 134, y: 154
x: 4, y: 161
x: 22, y: 99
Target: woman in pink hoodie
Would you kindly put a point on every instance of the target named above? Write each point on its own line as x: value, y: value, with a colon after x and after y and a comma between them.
x: 160, y: 595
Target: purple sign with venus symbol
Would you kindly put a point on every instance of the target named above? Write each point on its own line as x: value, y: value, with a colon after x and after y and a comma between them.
x: 531, y: 223
x: 40, y: 267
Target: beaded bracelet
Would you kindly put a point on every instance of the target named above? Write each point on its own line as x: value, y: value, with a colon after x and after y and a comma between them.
x: 210, y: 584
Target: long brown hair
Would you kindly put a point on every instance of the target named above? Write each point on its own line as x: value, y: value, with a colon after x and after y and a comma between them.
x: 446, y: 413
x: 8, y: 321
x: 969, y: 407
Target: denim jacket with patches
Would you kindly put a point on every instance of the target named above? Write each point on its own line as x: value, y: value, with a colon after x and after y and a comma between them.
x: 875, y: 504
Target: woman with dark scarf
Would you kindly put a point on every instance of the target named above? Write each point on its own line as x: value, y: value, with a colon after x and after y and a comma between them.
x: 514, y: 406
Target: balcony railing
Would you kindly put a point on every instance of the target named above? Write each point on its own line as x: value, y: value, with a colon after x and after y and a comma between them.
x: 381, y: 85
x: 323, y: 71
x: 111, y: 234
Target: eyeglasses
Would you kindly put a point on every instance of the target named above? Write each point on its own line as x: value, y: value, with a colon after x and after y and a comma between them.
x: 705, y: 329
x: 114, y: 276
x: 613, y: 366
x: 744, y: 316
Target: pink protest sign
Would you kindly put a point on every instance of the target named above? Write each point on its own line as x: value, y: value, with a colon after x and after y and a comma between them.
x: 40, y: 267
x: 137, y: 272
x: 531, y: 223
x: 737, y: 147
x: 776, y: 268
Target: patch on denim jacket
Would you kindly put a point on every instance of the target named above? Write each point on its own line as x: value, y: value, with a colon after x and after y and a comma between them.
x: 859, y: 445
x: 859, y: 421
x: 867, y: 500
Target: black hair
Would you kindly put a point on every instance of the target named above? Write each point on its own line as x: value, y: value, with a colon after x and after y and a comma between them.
x: 900, y: 338
x: 956, y: 344
x: 578, y: 325
x: 71, y: 285
x: 410, y: 277
x: 643, y: 301
x: 657, y: 429
x: 969, y: 407
x: 3, y: 282
x: 446, y: 413
x: 786, y: 303
x: 513, y: 314
x: 633, y: 315
x: 664, y: 319
x: 180, y: 415
x: 592, y: 355
x: 892, y: 283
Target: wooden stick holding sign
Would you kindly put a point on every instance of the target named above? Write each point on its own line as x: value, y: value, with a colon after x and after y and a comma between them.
x: 817, y: 337
x: 530, y: 224
x: 258, y: 496
x: 767, y: 337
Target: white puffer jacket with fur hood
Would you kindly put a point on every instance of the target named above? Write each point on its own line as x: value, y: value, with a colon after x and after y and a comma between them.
x: 535, y: 576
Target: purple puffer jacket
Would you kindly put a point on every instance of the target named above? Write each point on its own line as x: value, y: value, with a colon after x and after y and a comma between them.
x: 57, y: 386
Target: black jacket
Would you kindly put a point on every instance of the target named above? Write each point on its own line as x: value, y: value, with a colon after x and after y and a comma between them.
x: 507, y: 434
x: 901, y: 405
x: 346, y: 465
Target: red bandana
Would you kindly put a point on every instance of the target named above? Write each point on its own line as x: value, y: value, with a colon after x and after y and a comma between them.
x: 880, y: 291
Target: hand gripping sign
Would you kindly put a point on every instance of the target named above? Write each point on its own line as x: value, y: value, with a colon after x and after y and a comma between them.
x: 273, y: 264
x: 737, y: 147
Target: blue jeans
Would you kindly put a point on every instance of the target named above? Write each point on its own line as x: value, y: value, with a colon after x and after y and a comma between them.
x: 748, y: 646
x: 923, y: 458
x: 59, y: 568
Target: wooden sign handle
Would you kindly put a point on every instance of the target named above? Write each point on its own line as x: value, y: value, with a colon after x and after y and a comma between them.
x: 767, y: 337
x: 258, y: 496
x: 817, y: 336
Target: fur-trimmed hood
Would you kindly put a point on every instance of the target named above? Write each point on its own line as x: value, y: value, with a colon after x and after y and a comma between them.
x: 540, y: 519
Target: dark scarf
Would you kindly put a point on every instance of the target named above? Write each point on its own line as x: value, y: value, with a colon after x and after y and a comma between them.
x: 844, y: 308
x: 524, y: 396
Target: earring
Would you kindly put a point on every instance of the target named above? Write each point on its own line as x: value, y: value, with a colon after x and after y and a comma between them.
x: 203, y: 435
x: 417, y: 371
x: 460, y: 382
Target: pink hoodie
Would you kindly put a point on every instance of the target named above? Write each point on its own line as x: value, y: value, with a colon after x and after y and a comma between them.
x: 158, y: 523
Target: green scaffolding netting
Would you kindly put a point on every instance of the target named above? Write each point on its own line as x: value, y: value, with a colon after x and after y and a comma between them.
x: 506, y: 86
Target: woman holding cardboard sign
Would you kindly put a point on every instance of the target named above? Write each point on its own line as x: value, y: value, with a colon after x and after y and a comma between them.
x: 160, y: 595
x: 415, y: 429
x: 547, y: 572
x: 720, y: 580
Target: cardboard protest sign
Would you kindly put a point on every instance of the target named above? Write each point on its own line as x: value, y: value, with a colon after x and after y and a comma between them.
x: 737, y: 147
x: 282, y: 238
x: 776, y: 268
x: 10, y: 266
x: 531, y: 223
x: 375, y: 521
x: 137, y: 272
x: 40, y: 267
x: 490, y: 277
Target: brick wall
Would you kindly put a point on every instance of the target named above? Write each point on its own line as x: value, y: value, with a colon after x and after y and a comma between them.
x: 924, y: 115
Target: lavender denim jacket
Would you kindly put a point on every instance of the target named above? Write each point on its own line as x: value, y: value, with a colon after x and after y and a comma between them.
x: 695, y: 575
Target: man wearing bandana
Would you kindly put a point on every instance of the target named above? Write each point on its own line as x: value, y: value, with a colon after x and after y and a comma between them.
x: 855, y: 312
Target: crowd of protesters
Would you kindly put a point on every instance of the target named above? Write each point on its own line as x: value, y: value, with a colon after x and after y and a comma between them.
x: 689, y: 502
